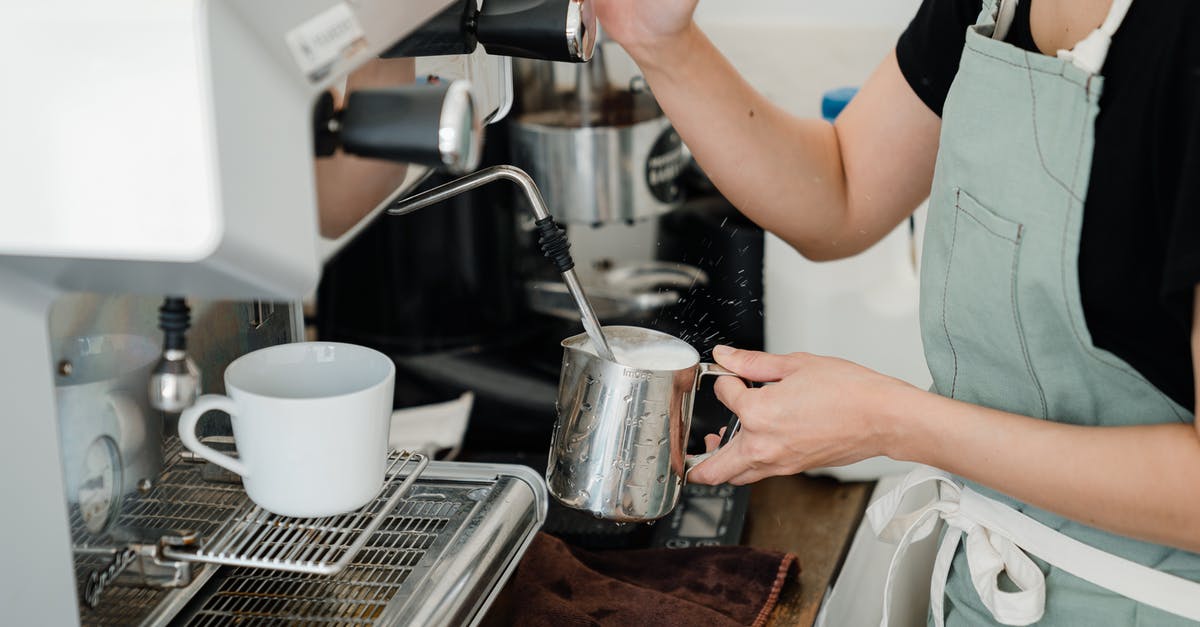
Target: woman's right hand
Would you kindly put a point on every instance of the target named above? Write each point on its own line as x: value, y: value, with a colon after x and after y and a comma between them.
x: 643, y: 26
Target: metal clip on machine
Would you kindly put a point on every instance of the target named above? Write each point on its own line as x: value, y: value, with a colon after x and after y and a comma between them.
x: 192, y: 173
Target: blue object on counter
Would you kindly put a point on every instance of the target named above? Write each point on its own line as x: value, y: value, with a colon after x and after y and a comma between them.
x: 835, y: 100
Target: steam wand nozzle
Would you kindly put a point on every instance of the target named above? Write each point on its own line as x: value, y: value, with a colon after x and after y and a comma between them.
x: 551, y: 236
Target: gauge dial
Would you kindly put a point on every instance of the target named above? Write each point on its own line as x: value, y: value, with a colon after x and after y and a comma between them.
x: 100, y: 487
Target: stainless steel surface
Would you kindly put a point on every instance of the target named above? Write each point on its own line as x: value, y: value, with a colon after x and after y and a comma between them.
x: 465, y: 184
x: 619, y: 443
x: 138, y: 566
x: 175, y: 381
x: 256, y: 538
x: 179, y: 499
x: 108, y: 432
x: 581, y: 36
x: 438, y: 559
x: 460, y: 130
x: 601, y: 174
x: 457, y: 533
x: 591, y: 324
x: 505, y: 172
x: 637, y: 291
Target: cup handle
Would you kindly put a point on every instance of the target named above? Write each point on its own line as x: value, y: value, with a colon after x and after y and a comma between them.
x: 735, y: 425
x: 187, y: 431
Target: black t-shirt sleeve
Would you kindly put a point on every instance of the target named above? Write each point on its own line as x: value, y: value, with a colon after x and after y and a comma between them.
x: 930, y: 48
x: 1181, y: 271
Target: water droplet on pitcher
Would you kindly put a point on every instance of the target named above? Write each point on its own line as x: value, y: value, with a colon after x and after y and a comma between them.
x: 662, y: 441
x: 587, y: 407
x: 628, y: 397
x: 598, y: 515
x: 652, y: 458
x: 662, y: 478
x: 590, y: 379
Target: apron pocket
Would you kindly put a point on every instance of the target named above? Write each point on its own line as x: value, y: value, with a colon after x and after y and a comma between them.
x: 980, y: 319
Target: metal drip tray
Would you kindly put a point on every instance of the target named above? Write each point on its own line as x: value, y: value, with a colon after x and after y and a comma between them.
x: 437, y: 558
x: 256, y: 538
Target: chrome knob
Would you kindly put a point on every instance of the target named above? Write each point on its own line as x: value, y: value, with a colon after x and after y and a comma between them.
x: 174, y: 382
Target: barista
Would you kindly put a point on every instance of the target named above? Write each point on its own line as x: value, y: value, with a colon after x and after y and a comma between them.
x: 1059, y: 300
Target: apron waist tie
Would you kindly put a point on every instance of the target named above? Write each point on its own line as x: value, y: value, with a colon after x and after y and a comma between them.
x: 997, y: 538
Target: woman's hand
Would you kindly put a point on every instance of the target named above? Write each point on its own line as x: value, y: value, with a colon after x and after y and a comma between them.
x: 820, y: 411
x: 642, y: 26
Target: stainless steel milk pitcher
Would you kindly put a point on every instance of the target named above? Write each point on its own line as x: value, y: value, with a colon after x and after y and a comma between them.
x: 618, y: 449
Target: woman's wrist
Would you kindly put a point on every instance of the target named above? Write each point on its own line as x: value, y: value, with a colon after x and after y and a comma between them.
x: 663, y: 54
x: 901, y: 420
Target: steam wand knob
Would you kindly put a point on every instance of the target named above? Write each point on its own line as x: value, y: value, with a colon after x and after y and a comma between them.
x: 548, y: 30
x: 432, y: 125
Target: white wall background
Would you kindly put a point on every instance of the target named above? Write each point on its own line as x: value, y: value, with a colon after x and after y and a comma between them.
x: 814, y: 12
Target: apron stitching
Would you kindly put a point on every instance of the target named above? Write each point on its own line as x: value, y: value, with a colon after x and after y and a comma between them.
x: 1037, y: 384
x: 1037, y: 141
x: 946, y: 290
x: 1087, y: 348
x: 985, y: 227
x: 1079, y: 152
x: 1061, y: 73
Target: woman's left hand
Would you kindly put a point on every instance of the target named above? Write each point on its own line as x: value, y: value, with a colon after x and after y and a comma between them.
x: 819, y: 412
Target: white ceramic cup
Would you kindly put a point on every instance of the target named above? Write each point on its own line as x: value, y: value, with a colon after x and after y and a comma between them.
x: 310, y: 421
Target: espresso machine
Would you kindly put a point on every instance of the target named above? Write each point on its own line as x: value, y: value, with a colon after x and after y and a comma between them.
x: 179, y: 176
x: 654, y: 244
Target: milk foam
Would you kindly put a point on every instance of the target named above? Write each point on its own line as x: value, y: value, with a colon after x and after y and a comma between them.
x: 657, y: 356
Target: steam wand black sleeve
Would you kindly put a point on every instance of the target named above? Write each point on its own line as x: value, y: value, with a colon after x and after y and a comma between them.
x: 553, y: 240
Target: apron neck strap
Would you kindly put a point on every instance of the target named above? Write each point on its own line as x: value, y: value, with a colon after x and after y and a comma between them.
x: 1004, y: 18
x: 1089, y: 54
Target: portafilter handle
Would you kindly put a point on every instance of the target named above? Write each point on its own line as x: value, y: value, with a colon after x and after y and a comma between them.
x: 433, y: 125
x: 549, y: 30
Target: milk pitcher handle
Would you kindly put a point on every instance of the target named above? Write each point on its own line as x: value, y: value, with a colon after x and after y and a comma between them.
x: 735, y: 425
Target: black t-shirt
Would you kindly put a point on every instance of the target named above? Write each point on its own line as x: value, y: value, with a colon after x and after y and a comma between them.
x: 1139, y: 258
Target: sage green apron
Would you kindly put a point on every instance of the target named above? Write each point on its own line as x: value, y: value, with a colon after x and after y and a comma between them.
x: 1003, y: 327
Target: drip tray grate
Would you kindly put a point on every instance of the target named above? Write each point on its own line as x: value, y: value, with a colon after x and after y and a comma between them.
x: 358, y: 595
x: 437, y: 555
x: 256, y: 538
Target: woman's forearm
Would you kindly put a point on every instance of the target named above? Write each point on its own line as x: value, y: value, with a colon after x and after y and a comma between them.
x: 798, y: 178
x: 1141, y: 481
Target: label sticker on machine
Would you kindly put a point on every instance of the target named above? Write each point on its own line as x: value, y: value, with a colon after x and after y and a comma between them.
x: 665, y: 163
x: 320, y: 42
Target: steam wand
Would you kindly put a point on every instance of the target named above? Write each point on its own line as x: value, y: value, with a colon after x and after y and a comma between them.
x: 551, y: 237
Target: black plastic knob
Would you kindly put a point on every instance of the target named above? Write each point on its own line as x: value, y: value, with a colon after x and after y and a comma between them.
x: 437, y: 126
x: 551, y: 30
x: 450, y: 32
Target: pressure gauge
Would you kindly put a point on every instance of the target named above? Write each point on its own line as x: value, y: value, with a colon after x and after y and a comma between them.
x: 99, y: 493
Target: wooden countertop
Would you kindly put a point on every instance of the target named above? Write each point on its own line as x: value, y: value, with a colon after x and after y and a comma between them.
x: 814, y: 519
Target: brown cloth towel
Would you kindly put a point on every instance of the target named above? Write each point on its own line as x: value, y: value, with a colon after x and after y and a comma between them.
x: 557, y: 585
